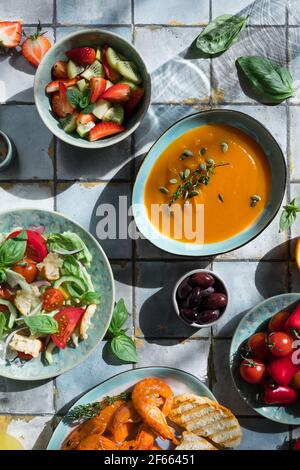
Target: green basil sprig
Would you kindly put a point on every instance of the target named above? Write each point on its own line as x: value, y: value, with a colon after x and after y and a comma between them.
x: 264, y: 80
x: 121, y: 344
x: 289, y: 214
x: 79, y: 99
x: 90, y: 298
x: 41, y: 324
x: 221, y: 33
x: 13, y: 249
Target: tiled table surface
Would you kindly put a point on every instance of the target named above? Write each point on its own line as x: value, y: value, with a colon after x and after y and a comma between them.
x: 52, y: 175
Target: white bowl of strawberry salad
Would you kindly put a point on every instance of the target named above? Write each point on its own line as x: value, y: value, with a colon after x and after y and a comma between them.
x: 92, y: 89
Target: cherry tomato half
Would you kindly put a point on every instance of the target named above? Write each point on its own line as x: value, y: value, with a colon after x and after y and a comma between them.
x: 25, y: 357
x: 27, y: 268
x: 280, y: 344
x: 252, y: 371
x: 277, y: 322
x: 36, y: 245
x: 53, y: 299
x: 258, y: 345
x: 6, y: 294
x: 67, y: 319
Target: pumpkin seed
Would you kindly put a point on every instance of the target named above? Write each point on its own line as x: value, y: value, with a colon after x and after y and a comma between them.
x: 185, y: 154
x: 224, y: 147
x: 221, y: 197
x: 254, y: 200
x: 203, y: 150
x: 210, y: 161
x: 186, y: 173
x: 202, y: 166
x: 163, y: 190
x: 173, y: 181
x: 194, y: 193
x: 181, y: 174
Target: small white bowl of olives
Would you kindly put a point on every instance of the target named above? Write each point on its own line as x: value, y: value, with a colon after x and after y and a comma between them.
x: 200, y: 298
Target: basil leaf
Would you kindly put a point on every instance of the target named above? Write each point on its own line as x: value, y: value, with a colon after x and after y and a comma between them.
x: 41, y: 324
x: 85, y: 98
x: 296, y: 202
x: 221, y: 33
x: 287, y: 219
x: 264, y: 80
x: 89, y: 109
x: 120, y: 316
x: 90, y: 298
x: 69, y: 241
x: 2, y: 275
x: 73, y: 97
x: 124, y: 348
x: 13, y: 249
x: 2, y: 324
x: 71, y: 266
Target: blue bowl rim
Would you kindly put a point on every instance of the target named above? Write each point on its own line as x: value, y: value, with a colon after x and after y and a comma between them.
x: 213, y: 111
x: 102, y: 143
x: 29, y: 209
x: 231, y: 352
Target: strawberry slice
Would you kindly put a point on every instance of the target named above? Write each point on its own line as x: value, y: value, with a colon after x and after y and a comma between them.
x: 66, y: 107
x: 111, y: 74
x: 135, y: 98
x: 59, y: 69
x: 98, y: 86
x: 117, y: 93
x: 54, y: 86
x: 104, y: 129
x: 10, y: 34
x: 82, y: 55
x: 85, y: 118
x: 35, y: 47
x: 57, y: 106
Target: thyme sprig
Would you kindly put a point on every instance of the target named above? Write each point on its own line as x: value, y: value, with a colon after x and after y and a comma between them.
x: 202, y: 175
x: 90, y: 410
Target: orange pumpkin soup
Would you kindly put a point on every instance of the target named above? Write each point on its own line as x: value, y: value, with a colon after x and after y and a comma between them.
x: 218, y: 166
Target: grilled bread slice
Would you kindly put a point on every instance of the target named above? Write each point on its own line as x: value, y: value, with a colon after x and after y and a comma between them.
x: 206, y: 418
x: 191, y: 441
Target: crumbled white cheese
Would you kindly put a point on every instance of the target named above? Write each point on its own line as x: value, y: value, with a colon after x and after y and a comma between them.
x: 50, y: 266
x: 26, y: 345
x: 25, y: 301
x: 86, y: 320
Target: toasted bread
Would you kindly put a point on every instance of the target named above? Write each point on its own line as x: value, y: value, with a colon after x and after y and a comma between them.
x: 206, y: 418
x: 191, y: 441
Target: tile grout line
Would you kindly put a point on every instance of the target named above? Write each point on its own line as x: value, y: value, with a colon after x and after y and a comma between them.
x: 132, y: 178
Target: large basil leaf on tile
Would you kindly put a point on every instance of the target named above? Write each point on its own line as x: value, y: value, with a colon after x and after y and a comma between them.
x: 264, y: 80
x: 221, y: 33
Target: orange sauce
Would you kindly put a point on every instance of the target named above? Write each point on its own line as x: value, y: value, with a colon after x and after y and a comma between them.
x: 227, y: 196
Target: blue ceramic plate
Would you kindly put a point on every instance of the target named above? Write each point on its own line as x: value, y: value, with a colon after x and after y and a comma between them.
x: 102, y: 277
x: 236, y: 119
x: 256, y: 320
x: 178, y: 380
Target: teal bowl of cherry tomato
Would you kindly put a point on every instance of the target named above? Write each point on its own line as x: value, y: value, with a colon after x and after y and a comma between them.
x: 265, y: 358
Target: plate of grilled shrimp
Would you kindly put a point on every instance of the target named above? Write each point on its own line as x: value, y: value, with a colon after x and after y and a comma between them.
x: 151, y: 408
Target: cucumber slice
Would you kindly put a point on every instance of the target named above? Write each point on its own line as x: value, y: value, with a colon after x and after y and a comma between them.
x: 94, y: 70
x: 82, y: 84
x: 78, y: 282
x: 12, y: 312
x: 74, y: 69
x: 112, y: 58
x: 127, y: 70
x: 101, y: 108
x: 98, y: 53
x: 132, y: 86
x: 84, y: 129
x: 115, y: 114
x: 69, y: 123
x: 48, y: 353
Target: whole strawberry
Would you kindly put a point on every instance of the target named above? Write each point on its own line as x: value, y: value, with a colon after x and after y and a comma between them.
x: 35, y: 47
x: 82, y: 55
x: 10, y: 34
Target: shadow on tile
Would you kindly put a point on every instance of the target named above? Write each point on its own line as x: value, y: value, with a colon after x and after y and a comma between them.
x: 45, y: 436
x: 271, y: 276
x: 20, y: 386
x: 18, y: 62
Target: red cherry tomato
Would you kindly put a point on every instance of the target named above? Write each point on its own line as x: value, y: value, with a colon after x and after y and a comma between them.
x: 258, y: 346
x: 296, y: 446
x: 27, y: 268
x: 252, y: 371
x: 25, y: 357
x: 67, y: 319
x: 280, y: 344
x: 6, y: 294
x: 277, y: 322
x: 53, y: 299
x: 36, y: 245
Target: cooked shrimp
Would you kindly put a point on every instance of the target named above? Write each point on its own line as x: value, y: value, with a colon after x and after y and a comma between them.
x: 95, y: 425
x: 120, y: 424
x: 147, y: 396
x: 96, y: 442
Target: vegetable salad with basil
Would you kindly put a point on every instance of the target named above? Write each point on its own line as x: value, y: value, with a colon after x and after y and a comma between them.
x: 47, y: 297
